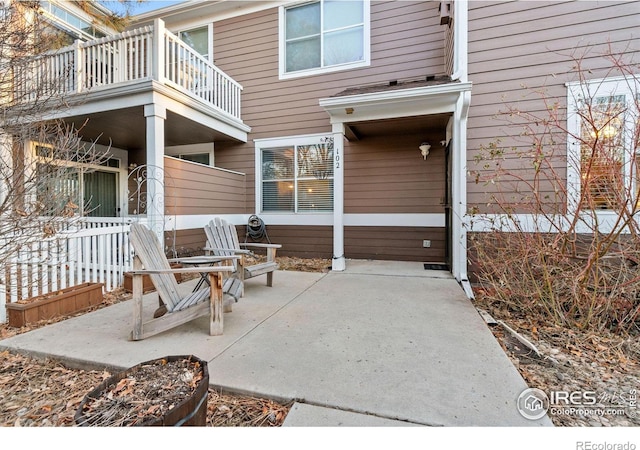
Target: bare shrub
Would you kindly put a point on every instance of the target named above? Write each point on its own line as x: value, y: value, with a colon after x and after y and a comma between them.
x: 564, y: 239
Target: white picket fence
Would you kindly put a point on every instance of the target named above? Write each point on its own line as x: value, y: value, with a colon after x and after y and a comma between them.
x: 95, y: 252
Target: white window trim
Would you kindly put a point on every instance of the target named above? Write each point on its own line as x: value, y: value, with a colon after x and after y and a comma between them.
x: 192, y: 27
x: 284, y: 75
x: 260, y: 144
x: 595, y: 88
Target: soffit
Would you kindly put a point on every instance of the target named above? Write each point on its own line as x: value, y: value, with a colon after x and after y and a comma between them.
x: 429, y: 125
x: 394, y: 101
x: 126, y: 129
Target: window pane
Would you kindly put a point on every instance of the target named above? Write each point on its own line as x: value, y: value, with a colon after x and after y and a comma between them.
x: 343, y: 46
x: 339, y: 14
x: 315, y: 195
x: 57, y: 187
x: 277, y: 164
x: 202, y: 158
x: 303, y: 54
x: 315, y: 161
x: 602, y: 153
x: 302, y: 21
x: 100, y: 199
x: 197, y: 39
x: 277, y: 196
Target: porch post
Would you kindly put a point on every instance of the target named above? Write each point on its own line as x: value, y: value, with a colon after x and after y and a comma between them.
x: 338, y: 263
x: 7, y: 162
x: 156, y: 116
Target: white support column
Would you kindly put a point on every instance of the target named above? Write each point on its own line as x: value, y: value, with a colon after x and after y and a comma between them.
x: 6, y: 159
x: 156, y: 115
x: 338, y: 263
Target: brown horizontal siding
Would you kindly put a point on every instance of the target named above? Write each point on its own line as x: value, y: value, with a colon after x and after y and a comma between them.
x: 516, y: 48
x: 388, y: 175
x: 197, y: 189
x: 299, y: 241
x: 186, y: 242
x: 406, y: 42
x: 387, y: 243
x: 395, y: 243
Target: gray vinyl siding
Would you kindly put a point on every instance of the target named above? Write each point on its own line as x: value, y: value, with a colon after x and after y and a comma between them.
x: 516, y: 48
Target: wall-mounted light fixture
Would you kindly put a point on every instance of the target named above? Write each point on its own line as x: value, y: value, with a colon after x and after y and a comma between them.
x: 424, y: 149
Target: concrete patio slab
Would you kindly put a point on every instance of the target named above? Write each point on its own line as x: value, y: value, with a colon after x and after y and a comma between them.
x: 382, y: 342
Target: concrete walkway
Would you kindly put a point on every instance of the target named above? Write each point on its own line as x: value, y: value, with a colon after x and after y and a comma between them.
x: 381, y: 344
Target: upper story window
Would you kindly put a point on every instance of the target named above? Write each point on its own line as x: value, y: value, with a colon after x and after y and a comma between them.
x: 71, y: 23
x: 295, y: 174
x: 198, y: 39
x: 603, y: 144
x: 324, y: 36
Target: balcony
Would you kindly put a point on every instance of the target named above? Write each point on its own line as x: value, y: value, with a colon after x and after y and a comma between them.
x: 148, y: 54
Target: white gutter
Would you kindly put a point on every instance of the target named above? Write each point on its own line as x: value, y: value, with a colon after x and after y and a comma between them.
x: 459, y: 188
x: 459, y: 193
x: 461, y: 40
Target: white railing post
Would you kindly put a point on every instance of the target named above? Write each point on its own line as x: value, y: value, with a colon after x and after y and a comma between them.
x: 3, y: 302
x: 78, y: 64
x: 158, y: 50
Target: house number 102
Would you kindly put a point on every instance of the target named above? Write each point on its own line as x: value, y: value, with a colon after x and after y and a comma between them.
x: 337, y: 160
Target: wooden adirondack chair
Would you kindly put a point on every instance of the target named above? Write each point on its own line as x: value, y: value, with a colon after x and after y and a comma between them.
x: 222, y: 240
x: 180, y: 309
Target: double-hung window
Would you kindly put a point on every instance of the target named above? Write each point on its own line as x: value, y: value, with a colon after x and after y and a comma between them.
x: 296, y: 174
x: 603, y: 159
x: 324, y: 36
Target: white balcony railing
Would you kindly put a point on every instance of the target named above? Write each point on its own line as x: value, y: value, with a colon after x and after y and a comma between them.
x: 150, y: 52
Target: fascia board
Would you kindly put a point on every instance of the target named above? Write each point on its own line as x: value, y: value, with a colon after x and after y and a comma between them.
x: 397, y: 103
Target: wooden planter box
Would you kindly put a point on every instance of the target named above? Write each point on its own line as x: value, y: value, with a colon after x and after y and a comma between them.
x: 147, y: 285
x: 60, y: 303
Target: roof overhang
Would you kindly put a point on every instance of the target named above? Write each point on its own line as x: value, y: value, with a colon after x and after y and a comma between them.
x: 395, y: 103
x: 189, y: 12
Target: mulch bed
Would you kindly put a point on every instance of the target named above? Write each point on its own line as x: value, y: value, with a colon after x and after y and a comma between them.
x: 574, y: 361
x: 37, y: 393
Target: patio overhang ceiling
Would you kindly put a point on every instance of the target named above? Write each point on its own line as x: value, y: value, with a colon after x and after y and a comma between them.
x: 115, y: 116
x: 125, y: 128
x: 392, y: 101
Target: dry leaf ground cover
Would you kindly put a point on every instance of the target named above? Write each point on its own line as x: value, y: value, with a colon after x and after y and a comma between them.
x: 601, y: 368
